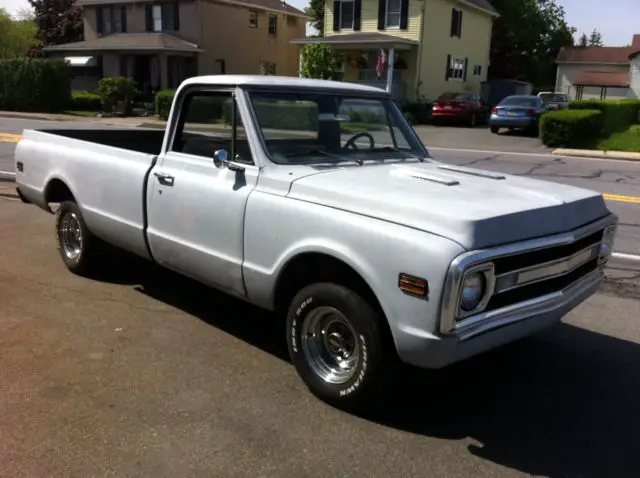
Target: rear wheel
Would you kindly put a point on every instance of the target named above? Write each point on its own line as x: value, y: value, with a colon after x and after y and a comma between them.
x: 336, y: 344
x: 79, y: 249
x: 495, y: 129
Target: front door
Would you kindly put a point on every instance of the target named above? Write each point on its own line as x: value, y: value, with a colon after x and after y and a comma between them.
x: 196, y: 210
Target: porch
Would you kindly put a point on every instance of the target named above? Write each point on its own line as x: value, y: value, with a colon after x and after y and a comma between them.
x: 154, y: 61
x: 360, y: 52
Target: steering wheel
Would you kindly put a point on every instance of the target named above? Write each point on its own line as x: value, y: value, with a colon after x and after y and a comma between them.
x: 351, y: 142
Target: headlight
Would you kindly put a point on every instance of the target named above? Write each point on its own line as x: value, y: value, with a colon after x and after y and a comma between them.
x: 473, y: 290
x: 608, y: 239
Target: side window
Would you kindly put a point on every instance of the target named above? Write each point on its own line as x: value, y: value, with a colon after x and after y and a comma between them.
x: 205, y: 126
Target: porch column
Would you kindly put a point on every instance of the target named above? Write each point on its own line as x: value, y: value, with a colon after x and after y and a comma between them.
x: 300, y: 62
x: 390, y: 61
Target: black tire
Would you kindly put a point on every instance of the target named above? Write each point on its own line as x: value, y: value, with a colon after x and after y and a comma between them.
x: 495, y: 129
x: 89, y: 252
x: 473, y: 121
x: 373, y: 368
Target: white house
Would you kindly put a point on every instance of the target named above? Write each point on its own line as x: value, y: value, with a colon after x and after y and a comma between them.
x: 599, y: 72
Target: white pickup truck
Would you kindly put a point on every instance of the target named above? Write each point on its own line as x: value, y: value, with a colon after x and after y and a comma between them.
x: 316, y: 199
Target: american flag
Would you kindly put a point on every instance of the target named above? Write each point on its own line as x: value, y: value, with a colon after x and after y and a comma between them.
x: 381, y: 66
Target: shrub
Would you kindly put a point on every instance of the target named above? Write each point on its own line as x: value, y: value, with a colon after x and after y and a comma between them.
x: 85, y: 101
x: 37, y: 85
x: 163, y: 100
x: 421, y: 111
x: 617, y: 115
x: 116, y: 90
x: 409, y: 117
x: 570, y: 128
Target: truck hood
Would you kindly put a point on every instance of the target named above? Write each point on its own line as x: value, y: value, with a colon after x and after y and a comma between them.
x: 475, y: 208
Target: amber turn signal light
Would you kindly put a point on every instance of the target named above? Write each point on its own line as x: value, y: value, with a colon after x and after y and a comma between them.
x: 413, y: 285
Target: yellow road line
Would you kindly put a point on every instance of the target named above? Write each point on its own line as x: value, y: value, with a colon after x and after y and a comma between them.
x: 9, y: 137
x: 619, y: 198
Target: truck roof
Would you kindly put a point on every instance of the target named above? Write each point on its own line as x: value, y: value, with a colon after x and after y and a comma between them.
x: 287, y: 81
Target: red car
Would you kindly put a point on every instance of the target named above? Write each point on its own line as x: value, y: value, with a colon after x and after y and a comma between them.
x: 468, y: 108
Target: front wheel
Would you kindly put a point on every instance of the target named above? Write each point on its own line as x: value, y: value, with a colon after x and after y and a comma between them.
x: 335, y: 341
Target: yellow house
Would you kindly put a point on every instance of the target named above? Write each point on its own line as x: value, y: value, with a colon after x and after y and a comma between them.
x: 436, y: 45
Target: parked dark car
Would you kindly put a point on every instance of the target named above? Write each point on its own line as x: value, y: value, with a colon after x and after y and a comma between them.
x: 555, y: 101
x: 517, y: 112
x: 468, y: 108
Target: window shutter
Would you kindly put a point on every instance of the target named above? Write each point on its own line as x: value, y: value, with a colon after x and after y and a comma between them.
x: 176, y: 15
x: 460, y: 12
x: 336, y: 15
x: 357, y: 14
x: 404, y: 14
x: 466, y: 66
x: 454, y: 22
x: 382, y: 11
x: 99, y: 19
x: 148, y: 17
x: 123, y: 16
x: 447, y: 68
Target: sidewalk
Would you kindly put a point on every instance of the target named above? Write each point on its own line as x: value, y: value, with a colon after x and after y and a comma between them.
x: 8, y: 190
x: 588, y: 153
x: 149, y: 121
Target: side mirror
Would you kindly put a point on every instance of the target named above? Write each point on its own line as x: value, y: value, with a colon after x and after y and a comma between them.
x: 221, y: 159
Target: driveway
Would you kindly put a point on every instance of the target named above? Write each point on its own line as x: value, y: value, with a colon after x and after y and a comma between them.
x: 143, y: 373
x: 479, y: 138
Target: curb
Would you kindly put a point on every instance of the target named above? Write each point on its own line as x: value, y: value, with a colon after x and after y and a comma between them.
x: 587, y: 153
x: 73, y: 119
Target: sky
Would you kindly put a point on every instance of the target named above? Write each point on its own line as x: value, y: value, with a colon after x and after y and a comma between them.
x: 616, y: 20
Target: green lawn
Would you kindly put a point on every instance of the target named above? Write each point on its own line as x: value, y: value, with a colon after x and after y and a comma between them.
x: 626, y: 141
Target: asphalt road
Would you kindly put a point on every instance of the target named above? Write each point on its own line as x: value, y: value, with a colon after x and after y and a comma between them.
x: 143, y: 373
x: 509, y: 153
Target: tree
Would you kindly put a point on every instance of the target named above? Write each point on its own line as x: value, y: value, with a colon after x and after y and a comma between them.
x: 315, y: 10
x: 16, y: 36
x: 319, y: 61
x: 583, y: 42
x: 528, y: 53
x: 57, y: 21
x: 595, y: 39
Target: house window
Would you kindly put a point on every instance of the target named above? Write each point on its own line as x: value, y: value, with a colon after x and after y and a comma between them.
x: 456, y: 69
x: 253, y: 19
x: 111, y: 19
x: 456, y: 22
x: 392, y: 17
x: 157, y: 18
x: 267, y: 68
x: 477, y: 70
x: 162, y: 17
x: 346, y: 14
x: 273, y: 25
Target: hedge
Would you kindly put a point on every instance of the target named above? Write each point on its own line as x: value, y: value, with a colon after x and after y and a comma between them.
x: 85, y: 101
x: 38, y: 85
x: 571, y: 128
x: 617, y: 115
x: 420, y: 112
x: 163, y: 101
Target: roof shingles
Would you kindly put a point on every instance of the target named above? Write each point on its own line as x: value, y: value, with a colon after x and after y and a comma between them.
x: 129, y: 41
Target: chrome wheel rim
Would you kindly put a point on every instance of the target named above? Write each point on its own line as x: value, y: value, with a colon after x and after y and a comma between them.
x: 70, y: 235
x: 330, y: 345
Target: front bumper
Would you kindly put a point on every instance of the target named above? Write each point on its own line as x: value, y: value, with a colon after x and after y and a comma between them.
x: 500, y: 326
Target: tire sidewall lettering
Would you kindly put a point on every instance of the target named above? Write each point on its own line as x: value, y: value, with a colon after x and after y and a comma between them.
x: 294, y: 323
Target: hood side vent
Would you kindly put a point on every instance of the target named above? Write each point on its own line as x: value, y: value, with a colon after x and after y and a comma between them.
x: 472, y: 172
x: 423, y: 176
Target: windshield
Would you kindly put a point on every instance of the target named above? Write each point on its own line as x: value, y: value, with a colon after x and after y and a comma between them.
x: 553, y: 98
x: 454, y: 97
x: 313, y: 127
x: 526, y: 101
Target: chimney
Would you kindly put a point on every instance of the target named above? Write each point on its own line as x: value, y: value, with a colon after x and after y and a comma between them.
x: 636, y: 41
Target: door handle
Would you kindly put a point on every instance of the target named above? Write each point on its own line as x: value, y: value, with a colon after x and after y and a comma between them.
x: 165, y: 179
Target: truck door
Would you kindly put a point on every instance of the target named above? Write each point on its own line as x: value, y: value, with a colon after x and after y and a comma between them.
x: 195, y: 208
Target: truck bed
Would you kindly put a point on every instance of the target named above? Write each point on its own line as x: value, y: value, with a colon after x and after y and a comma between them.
x: 146, y: 141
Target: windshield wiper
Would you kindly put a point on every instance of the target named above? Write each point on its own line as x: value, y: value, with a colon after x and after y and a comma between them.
x: 397, y: 150
x: 308, y: 152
